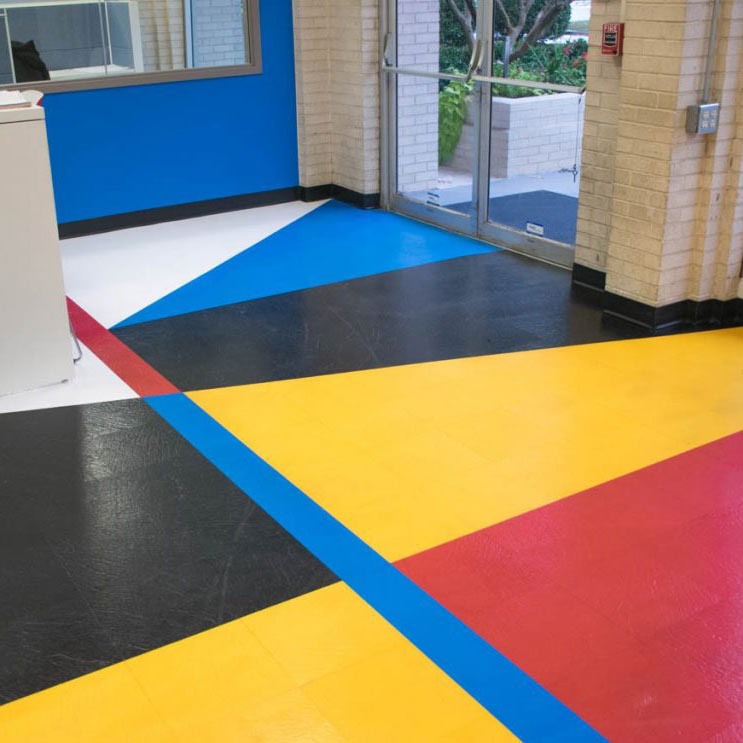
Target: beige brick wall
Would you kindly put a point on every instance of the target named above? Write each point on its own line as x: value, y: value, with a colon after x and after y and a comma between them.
x: 661, y: 209
x: 337, y: 64
x: 714, y: 243
x: 163, y: 34
x: 599, y: 142
x: 314, y: 115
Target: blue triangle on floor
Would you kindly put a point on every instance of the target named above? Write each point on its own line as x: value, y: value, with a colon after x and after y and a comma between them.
x: 335, y: 242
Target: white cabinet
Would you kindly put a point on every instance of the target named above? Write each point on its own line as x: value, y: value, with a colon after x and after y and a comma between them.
x: 35, y: 347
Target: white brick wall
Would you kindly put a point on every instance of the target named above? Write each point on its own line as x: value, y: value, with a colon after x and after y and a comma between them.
x: 218, y: 32
x: 418, y: 97
x: 163, y: 34
x: 662, y: 210
x: 528, y: 135
x: 354, y: 86
x: 337, y: 63
x: 314, y: 116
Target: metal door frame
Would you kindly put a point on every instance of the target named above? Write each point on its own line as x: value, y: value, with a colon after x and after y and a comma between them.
x: 477, y: 224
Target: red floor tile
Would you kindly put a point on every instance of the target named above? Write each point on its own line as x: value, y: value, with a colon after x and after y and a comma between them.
x: 625, y: 601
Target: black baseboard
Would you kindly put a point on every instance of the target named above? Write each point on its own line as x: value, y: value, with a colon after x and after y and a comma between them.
x: 214, y: 206
x: 690, y: 313
x: 315, y: 193
x: 710, y: 312
x: 331, y: 191
x: 176, y: 212
x: 589, y: 278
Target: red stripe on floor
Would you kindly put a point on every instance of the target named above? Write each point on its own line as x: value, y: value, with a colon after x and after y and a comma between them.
x: 624, y: 601
x: 133, y: 369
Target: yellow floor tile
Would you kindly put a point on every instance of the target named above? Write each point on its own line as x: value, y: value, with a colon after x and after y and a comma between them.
x: 409, y: 457
x: 322, y: 668
x: 209, y: 675
x: 107, y: 705
x: 302, y: 647
x: 399, y: 697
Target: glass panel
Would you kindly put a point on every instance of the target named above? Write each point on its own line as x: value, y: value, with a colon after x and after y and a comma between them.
x: 534, y: 163
x: 78, y: 39
x: 435, y: 156
x: 119, y: 27
x: 6, y: 71
x: 162, y: 29
x: 542, y: 47
x: 218, y: 33
x: 434, y: 36
x: 536, y: 135
x: 57, y: 41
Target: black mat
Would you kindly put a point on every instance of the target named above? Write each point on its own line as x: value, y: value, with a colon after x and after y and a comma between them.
x: 492, y: 303
x: 555, y: 212
x: 118, y: 537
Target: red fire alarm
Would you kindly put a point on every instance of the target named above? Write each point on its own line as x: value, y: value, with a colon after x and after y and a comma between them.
x: 612, y: 39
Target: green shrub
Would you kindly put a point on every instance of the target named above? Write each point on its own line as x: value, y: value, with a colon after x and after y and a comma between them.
x: 516, y: 72
x: 452, y: 113
x: 562, y: 64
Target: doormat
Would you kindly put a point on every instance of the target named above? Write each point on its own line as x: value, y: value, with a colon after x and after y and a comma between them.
x: 555, y: 212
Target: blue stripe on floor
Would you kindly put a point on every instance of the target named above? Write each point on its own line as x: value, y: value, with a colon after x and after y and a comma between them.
x: 515, y: 699
x: 335, y: 242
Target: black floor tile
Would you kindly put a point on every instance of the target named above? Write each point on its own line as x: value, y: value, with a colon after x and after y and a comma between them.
x: 117, y: 537
x: 491, y: 303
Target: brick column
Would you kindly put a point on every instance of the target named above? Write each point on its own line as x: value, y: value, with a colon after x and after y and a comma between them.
x: 599, y: 141
x: 314, y: 119
x: 661, y: 210
x: 337, y: 77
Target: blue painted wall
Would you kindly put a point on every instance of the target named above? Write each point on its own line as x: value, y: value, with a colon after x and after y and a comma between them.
x: 124, y: 149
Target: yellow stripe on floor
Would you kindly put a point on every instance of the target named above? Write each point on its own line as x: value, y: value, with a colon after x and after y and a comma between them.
x: 320, y: 668
x: 412, y: 456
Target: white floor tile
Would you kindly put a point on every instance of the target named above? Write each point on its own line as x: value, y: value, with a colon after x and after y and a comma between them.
x: 93, y: 382
x: 115, y: 274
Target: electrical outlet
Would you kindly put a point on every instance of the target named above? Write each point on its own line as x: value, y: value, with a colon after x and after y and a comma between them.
x: 703, y: 118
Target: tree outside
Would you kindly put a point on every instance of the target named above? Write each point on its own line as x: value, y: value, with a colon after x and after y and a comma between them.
x: 531, y: 43
x: 526, y: 28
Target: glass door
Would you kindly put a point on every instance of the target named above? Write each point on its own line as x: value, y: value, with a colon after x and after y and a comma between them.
x: 532, y: 146
x: 482, y: 130
x: 431, y: 121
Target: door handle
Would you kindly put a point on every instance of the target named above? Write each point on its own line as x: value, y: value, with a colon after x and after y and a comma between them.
x: 387, y: 39
x: 475, y: 60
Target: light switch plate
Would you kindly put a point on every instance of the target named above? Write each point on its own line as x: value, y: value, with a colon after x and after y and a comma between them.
x: 703, y: 118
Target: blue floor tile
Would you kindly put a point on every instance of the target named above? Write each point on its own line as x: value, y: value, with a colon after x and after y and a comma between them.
x: 333, y: 243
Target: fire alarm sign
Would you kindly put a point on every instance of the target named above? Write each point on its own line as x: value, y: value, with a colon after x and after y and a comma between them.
x: 612, y: 39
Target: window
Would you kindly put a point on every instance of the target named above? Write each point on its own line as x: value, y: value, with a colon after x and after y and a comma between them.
x: 78, y: 44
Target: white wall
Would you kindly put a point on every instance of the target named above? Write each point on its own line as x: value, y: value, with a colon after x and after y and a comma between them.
x: 418, y: 97
x: 530, y: 135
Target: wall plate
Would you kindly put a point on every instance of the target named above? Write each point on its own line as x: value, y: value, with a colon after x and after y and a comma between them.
x: 703, y: 118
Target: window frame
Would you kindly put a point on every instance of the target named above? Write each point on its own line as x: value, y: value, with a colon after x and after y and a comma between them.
x: 252, y: 30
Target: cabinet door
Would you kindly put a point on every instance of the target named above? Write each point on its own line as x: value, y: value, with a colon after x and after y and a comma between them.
x: 35, y: 344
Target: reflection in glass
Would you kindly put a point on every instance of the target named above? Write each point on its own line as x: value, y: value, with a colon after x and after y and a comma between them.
x: 536, y: 134
x: 434, y: 166
x: 54, y: 40
x: 6, y: 71
x: 228, y: 46
x: 78, y: 39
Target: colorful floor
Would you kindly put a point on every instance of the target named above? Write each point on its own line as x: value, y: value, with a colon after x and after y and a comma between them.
x: 332, y: 475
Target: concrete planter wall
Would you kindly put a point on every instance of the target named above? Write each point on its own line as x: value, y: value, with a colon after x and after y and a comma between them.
x: 530, y: 135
